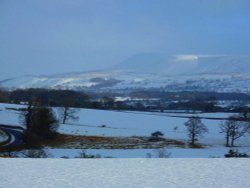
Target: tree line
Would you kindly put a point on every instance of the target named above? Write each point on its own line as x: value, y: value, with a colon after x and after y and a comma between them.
x: 167, y: 101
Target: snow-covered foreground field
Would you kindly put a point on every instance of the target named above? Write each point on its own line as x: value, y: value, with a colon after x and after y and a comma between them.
x: 121, y: 173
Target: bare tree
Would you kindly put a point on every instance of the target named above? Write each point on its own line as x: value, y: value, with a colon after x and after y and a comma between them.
x: 195, y: 128
x: 234, y: 129
x: 226, y: 128
x: 67, y: 113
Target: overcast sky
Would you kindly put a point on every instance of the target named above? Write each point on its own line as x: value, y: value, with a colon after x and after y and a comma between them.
x: 56, y: 36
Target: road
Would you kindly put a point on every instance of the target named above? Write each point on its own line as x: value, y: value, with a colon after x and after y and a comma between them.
x: 14, y: 133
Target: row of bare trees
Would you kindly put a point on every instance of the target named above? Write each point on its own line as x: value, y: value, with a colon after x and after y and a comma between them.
x: 235, y: 127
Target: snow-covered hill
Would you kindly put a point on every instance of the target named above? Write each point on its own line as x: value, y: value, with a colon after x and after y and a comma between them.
x: 153, y: 71
x: 186, y: 64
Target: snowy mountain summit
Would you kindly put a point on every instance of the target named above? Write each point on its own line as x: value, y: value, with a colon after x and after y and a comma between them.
x: 219, y: 73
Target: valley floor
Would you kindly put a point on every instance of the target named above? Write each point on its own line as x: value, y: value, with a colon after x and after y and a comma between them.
x: 122, y: 134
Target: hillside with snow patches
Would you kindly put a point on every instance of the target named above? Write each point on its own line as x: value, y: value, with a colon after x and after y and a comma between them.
x: 152, y: 71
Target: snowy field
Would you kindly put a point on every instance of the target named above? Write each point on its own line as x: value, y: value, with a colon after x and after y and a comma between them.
x: 121, y: 173
x: 212, y: 152
x: 117, y: 123
x: 139, y: 124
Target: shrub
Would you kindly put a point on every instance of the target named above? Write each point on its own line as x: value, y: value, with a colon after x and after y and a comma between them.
x: 236, y: 154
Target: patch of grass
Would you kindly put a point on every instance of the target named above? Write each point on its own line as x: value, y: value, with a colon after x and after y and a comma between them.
x: 196, y: 146
x: 98, y: 142
x: 62, y: 139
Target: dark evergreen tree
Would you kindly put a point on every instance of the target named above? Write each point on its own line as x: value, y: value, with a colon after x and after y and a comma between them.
x: 40, y: 123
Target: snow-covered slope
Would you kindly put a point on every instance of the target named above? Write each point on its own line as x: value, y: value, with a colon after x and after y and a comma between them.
x: 153, y: 71
x: 129, y: 81
x: 186, y: 64
x: 129, y: 173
